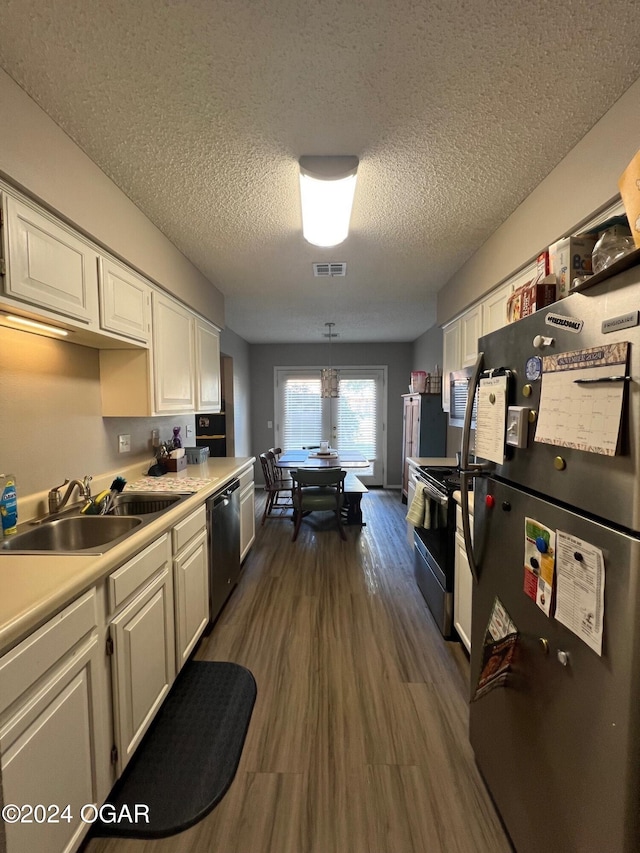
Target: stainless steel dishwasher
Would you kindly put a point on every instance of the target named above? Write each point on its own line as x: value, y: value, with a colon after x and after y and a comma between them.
x: 223, y: 532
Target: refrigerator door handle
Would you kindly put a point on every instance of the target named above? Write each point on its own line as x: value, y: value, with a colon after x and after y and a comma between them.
x: 469, y: 469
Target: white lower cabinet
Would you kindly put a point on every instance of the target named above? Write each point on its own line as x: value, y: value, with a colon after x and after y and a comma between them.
x: 463, y: 586
x: 247, y: 512
x: 54, y: 730
x: 143, y: 647
x: 191, y: 583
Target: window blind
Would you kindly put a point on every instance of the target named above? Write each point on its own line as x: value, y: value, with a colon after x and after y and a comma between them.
x: 302, y: 412
x: 357, y: 415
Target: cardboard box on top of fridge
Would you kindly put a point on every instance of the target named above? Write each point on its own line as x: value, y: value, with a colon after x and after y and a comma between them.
x: 568, y: 258
x: 542, y: 264
x: 538, y: 293
x: 629, y: 185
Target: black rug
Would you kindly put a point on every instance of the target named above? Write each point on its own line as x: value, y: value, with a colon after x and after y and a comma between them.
x: 188, y: 758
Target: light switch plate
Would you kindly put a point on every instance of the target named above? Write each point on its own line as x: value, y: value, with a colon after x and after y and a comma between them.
x: 189, y: 431
x: 124, y: 443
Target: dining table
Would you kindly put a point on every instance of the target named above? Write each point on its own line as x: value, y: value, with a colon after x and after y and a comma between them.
x: 346, y: 459
x: 354, y: 489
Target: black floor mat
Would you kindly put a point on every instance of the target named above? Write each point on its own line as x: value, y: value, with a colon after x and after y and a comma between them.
x: 188, y: 758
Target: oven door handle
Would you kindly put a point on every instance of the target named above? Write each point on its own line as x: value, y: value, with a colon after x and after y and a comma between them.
x: 432, y: 493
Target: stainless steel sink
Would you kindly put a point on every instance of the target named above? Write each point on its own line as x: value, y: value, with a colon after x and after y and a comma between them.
x: 86, y: 533
x: 75, y: 533
x: 142, y: 503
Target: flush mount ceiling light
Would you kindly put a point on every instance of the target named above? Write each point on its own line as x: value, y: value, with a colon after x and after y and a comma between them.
x: 327, y: 187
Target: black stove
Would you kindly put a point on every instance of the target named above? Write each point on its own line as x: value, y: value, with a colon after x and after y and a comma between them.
x: 446, y: 480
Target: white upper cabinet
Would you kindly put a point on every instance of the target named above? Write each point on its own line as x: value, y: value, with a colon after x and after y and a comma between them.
x: 470, y: 326
x: 125, y: 301
x: 48, y: 265
x: 494, y: 310
x: 207, y: 367
x: 173, y: 356
x: 450, y: 357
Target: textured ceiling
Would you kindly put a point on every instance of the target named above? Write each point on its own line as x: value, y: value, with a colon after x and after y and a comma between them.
x: 200, y: 109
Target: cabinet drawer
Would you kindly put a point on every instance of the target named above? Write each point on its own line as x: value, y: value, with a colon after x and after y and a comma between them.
x: 185, y: 530
x: 128, y: 578
x: 24, y: 665
x: 246, y: 477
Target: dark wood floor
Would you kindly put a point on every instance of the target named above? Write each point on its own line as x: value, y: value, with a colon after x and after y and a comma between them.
x: 358, y: 740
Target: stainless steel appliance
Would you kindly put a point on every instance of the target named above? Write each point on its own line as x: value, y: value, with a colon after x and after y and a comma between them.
x: 559, y: 744
x: 223, y: 531
x: 435, y: 544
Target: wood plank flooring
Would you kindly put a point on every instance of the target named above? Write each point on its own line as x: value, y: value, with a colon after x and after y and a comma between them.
x: 358, y: 740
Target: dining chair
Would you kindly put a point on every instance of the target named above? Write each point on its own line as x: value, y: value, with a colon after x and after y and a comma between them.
x: 317, y: 490
x: 277, y: 451
x: 278, y: 488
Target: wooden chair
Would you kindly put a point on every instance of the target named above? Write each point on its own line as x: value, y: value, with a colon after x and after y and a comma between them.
x: 318, y: 490
x: 279, y: 489
x: 277, y: 451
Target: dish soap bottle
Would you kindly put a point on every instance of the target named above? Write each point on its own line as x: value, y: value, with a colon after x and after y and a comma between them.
x: 8, y: 504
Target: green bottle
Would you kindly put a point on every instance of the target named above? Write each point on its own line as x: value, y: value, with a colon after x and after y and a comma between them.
x: 8, y: 504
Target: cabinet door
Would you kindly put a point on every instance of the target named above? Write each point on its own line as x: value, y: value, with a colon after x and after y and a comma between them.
x: 143, y: 662
x: 207, y: 367
x: 450, y: 358
x: 191, y: 588
x: 50, y: 266
x: 494, y: 309
x: 463, y: 593
x: 247, y: 519
x: 173, y: 356
x: 470, y: 330
x: 48, y: 755
x: 125, y: 301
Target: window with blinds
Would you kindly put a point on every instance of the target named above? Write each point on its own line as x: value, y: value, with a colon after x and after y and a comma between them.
x: 301, y: 412
x: 356, y: 416
x: 352, y: 421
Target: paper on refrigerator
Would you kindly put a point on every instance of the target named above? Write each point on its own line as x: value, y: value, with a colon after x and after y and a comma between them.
x: 491, y: 419
x: 539, y: 558
x: 580, y: 577
x: 581, y: 398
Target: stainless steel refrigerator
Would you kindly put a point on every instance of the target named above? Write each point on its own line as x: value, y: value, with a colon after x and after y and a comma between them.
x: 558, y: 741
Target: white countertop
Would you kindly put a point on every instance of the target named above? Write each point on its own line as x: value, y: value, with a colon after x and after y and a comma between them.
x: 447, y: 461
x: 34, y: 588
x: 457, y: 496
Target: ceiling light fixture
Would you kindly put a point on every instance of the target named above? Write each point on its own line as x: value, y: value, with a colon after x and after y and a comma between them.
x: 33, y: 324
x: 329, y: 376
x: 327, y: 187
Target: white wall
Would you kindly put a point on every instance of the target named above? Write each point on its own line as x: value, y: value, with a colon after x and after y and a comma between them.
x: 582, y: 183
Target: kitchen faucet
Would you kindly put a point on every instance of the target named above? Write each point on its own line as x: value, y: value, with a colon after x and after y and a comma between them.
x: 57, y: 502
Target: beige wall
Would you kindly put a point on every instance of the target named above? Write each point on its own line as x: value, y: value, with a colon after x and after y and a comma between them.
x: 37, y: 156
x: 50, y: 418
x: 585, y: 181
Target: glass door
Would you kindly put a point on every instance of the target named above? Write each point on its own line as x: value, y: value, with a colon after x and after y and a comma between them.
x: 352, y: 421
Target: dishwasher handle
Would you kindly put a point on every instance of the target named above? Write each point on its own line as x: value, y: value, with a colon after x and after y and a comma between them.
x: 222, y: 498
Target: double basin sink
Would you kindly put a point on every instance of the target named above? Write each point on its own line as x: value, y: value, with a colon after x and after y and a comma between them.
x: 73, y: 532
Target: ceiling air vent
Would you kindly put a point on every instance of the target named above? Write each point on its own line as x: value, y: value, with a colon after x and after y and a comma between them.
x: 332, y: 269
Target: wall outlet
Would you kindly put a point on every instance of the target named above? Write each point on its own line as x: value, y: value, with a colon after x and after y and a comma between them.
x: 155, y: 438
x: 124, y: 443
x: 189, y: 431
